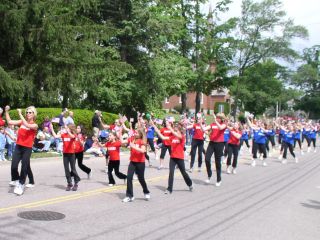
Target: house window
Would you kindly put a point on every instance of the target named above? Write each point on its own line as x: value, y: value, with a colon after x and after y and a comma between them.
x: 166, y: 100
x: 221, y: 108
x: 201, y: 98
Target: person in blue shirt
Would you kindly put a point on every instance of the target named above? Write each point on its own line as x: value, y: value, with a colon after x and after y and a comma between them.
x: 226, y: 139
x: 259, y: 141
x: 150, y: 141
x: 245, y: 137
x: 270, y: 133
x: 3, y: 141
x: 297, y: 137
x: 312, y: 138
x: 288, y: 140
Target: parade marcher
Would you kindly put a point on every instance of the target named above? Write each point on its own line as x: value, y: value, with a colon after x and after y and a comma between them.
x: 177, y: 142
x: 165, y: 143
x: 23, y: 149
x: 233, y: 147
x: 288, y: 141
x: 216, y: 145
x: 68, y: 136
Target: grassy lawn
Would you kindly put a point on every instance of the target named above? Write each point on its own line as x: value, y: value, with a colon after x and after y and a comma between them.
x: 44, y: 155
x: 209, y: 118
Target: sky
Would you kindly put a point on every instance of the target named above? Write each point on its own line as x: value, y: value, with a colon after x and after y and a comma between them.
x: 303, y: 12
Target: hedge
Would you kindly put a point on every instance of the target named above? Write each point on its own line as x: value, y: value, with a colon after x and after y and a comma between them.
x: 80, y: 116
x: 226, y: 107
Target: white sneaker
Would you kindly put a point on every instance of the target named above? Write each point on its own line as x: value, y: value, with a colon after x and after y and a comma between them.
x: 253, y: 164
x: 110, y: 185
x: 30, y: 185
x: 315, y: 150
x: 19, y: 189
x: 280, y: 157
x: 147, y: 196
x: 160, y: 167
x: 223, y: 160
x: 284, y: 161
x: 191, y: 188
x: 128, y: 199
x: 296, y: 160
x: 218, y: 184
x: 228, y: 169
x: 264, y: 163
x: 234, y: 171
x: 14, y: 183
x: 207, y: 180
x: 302, y: 153
x: 135, y: 177
x: 309, y: 149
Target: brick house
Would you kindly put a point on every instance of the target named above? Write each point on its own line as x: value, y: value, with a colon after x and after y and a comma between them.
x: 207, y: 102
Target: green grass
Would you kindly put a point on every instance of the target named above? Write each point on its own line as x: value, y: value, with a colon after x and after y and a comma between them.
x: 44, y: 155
x: 209, y: 118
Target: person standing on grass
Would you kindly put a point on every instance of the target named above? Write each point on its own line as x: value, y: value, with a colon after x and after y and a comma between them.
x: 79, y: 150
x: 23, y: 149
x: 68, y: 137
x: 113, y: 152
x: 137, y: 144
x: 177, y: 141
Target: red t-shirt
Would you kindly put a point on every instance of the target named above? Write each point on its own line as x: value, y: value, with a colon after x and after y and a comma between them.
x: 198, y: 133
x: 26, y: 136
x: 233, y: 140
x: 135, y: 155
x: 216, y: 135
x: 2, y: 122
x: 167, y: 133
x: 177, y: 147
x: 78, y: 146
x: 114, y: 150
x: 68, y: 143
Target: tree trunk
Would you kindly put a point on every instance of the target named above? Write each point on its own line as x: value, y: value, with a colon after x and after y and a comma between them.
x: 183, y: 102
x: 198, y: 102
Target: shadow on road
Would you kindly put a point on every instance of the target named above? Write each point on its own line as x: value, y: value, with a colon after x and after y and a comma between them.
x: 313, y: 204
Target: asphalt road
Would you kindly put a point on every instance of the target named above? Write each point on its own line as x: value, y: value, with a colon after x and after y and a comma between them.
x: 274, y: 202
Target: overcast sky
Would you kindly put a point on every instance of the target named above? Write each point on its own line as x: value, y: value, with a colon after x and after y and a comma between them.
x: 303, y: 12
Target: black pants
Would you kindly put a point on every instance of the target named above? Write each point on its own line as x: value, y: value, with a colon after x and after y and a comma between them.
x: 225, y: 150
x: 285, y: 150
x: 270, y: 139
x: 280, y: 138
x: 262, y: 149
x: 172, y: 167
x: 313, y: 141
x: 138, y: 168
x: 304, y: 137
x: 233, y: 150
x: 69, y: 161
x: 79, y: 158
x: 164, y: 149
x: 196, y: 143
x: 22, y: 154
x: 151, y: 144
x: 244, y: 141
x: 217, y: 149
x: 299, y: 142
x: 114, y: 165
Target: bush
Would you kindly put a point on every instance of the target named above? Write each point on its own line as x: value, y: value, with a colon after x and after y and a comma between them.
x: 82, y: 117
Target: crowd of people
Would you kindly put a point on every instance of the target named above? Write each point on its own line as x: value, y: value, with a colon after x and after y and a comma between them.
x: 143, y: 134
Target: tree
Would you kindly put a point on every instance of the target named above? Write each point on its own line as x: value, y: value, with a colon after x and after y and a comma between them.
x: 263, y: 32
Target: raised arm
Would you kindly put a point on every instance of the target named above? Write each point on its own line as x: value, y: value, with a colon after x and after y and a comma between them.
x: 158, y: 132
x: 53, y: 132
x: 9, y: 121
x: 220, y: 126
x: 177, y: 134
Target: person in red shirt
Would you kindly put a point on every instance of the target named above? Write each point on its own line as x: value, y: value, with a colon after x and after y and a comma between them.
x: 165, y: 131
x: 22, y: 152
x: 79, y: 149
x: 68, y: 136
x: 113, y: 151
x: 233, y: 147
x: 2, y: 122
x: 137, y: 145
x: 177, y: 141
x: 216, y: 145
x: 197, y: 142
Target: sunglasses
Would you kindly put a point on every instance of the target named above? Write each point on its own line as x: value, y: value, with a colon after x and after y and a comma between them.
x: 29, y: 112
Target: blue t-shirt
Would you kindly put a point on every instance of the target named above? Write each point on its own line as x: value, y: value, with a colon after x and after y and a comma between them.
x: 259, y: 136
x: 245, y: 135
x: 226, y: 135
x: 288, y: 137
x: 150, y: 132
x: 282, y: 132
x: 270, y: 132
x: 297, y: 135
x: 313, y: 134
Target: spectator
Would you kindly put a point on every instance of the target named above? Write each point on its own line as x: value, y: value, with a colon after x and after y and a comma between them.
x: 96, y: 123
x: 62, y: 117
x: 46, y: 123
x: 11, y: 140
x: 2, y: 143
x: 96, y: 147
x: 69, y: 119
x: 45, y: 138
